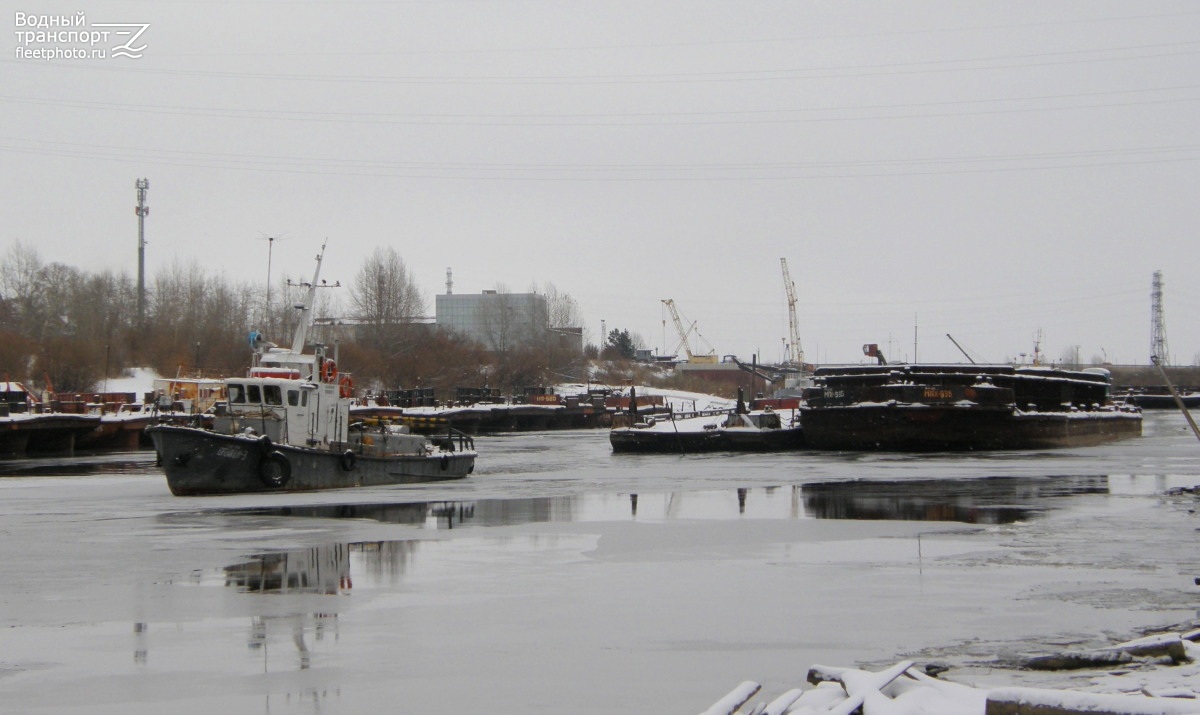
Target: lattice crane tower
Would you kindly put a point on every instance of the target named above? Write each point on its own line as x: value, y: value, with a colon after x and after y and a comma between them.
x: 795, y: 351
x: 1158, y: 324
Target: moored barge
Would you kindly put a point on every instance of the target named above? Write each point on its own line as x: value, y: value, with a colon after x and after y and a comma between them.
x: 926, y: 407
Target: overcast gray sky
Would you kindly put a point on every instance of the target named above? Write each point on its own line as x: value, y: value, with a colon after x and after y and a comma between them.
x: 984, y: 169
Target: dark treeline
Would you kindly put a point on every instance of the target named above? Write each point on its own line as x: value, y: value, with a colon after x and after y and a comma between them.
x: 65, y: 329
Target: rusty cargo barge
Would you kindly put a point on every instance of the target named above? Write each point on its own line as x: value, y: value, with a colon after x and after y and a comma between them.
x: 962, y: 407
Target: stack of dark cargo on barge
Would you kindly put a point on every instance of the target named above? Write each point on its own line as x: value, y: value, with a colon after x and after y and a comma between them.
x: 962, y: 407
x: 486, y: 411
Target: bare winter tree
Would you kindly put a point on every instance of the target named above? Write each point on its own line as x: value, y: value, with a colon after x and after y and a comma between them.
x: 561, y: 309
x: 198, y: 321
x: 1070, y: 356
x: 68, y: 328
x: 386, y: 299
x: 103, y: 304
x: 500, y: 321
x: 20, y: 280
x: 565, y: 334
x: 60, y: 285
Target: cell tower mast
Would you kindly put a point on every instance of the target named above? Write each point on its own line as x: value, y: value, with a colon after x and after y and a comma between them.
x: 1158, y: 324
x: 142, y: 186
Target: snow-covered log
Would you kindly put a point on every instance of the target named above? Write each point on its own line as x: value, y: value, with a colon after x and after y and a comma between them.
x: 1035, y: 701
x: 818, y: 674
x: 835, y: 674
x: 1157, y: 646
x: 779, y: 705
x: 860, y: 683
x: 819, y: 699
x: 1164, y: 644
x: 734, y: 699
x: 1078, y: 660
x: 1184, y: 693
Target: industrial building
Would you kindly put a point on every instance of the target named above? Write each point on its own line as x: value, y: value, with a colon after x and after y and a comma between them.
x: 498, y: 321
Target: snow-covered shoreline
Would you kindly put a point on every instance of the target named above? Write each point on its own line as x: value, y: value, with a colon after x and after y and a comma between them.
x: 1162, y: 689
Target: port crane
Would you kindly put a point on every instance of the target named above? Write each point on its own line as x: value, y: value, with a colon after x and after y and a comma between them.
x: 709, y: 357
x: 795, y: 353
x: 961, y: 349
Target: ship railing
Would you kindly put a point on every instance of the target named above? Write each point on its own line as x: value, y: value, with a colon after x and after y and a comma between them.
x: 622, y: 418
x: 700, y: 413
x: 454, y: 440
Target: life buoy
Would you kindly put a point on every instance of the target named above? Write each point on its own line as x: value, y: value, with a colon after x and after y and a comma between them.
x: 349, y: 459
x: 329, y: 371
x: 346, y: 386
x: 275, y: 470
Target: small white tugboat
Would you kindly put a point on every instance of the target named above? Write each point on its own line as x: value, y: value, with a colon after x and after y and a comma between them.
x: 286, y: 427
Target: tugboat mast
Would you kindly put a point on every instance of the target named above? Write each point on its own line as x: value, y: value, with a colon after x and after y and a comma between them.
x: 306, y: 307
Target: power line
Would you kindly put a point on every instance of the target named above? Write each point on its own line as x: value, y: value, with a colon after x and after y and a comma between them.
x: 759, y: 75
x: 629, y: 118
x: 605, y: 172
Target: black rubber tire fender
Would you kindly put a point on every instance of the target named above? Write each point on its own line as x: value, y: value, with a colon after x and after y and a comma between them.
x: 275, y: 470
x: 348, y: 460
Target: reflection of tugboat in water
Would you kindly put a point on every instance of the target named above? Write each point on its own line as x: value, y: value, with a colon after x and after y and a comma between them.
x: 324, y: 572
x: 286, y: 427
x: 926, y: 407
x: 319, y: 570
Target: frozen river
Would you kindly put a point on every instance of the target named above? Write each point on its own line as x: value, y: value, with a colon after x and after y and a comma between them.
x: 561, y: 577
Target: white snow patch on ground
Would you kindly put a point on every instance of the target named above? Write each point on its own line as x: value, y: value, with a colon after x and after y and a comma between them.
x: 138, y: 380
x: 679, y: 400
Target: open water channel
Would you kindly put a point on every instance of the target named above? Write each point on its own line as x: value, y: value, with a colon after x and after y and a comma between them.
x: 561, y: 577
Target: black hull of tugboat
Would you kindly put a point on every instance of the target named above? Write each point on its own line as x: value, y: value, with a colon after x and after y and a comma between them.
x: 198, y: 462
x: 929, y: 428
